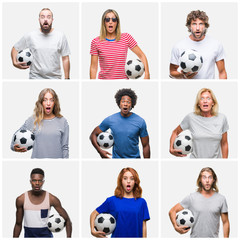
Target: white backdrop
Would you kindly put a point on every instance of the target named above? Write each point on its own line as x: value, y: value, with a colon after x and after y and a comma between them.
x: 223, y: 27
x: 178, y: 180
x: 21, y: 18
x: 20, y: 97
x: 102, y: 183
x: 62, y: 183
x: 140, y: 20
x: 98, y: 102
x: 178, y: 100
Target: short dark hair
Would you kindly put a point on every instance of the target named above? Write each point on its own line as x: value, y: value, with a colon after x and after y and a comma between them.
x: 126, y: 92
x: 37, y: 171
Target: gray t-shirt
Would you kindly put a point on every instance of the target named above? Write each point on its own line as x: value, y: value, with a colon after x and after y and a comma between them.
x: 206, y: 133
x: 47, y: 50
x: 51, y: 138
x: 206, y: 212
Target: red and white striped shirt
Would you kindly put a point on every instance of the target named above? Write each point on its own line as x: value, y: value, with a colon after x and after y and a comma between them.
x: 112, y: 56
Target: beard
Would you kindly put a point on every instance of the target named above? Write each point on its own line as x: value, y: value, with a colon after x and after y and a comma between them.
x: 46, y: 30
x: 202, y: 34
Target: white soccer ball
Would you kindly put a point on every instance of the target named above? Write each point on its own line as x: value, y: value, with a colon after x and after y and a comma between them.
x: 24, y: 138
x: 185, y: 218
x: 134, y: 68
x: 56, y: 223
x: 105, y: 222
x: 183, y: 142
x: 105, y: 140
x: 25, y: 56
x: 191, y: 61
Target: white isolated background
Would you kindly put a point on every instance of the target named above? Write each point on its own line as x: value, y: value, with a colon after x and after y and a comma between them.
x: 98, y: 102
x: 21, y: 18
x: 179, y: 180
x: 99, y: 180
x: 61, y: 180
x: 223, y: 27
x: 138, y: 19
x: 19, y: 102
x: 178, y: 99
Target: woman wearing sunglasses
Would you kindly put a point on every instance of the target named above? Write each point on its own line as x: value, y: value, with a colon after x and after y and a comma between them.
x: 111, y: 47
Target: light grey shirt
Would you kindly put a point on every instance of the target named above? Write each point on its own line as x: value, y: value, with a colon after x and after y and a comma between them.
x: 51, y: 138
x: 206, y: 212
x: 47, y: 50
x: 206, y: 133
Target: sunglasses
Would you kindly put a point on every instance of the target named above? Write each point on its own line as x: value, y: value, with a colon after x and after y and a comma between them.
x: 108, y: 19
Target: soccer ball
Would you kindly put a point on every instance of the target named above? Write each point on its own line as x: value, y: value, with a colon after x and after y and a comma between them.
x: 56, y: 223
x: 105, y: 140
x: 185, y: 218
x: 191, y: 61
x: 134, y: 68
x: 105, y: 222
x: 25, y: 56
x: 183, y: 142
x: 24, y: 138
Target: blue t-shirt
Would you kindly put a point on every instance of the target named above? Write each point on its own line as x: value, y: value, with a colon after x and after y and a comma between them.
x: 129, y: 214
x: 126, y: 132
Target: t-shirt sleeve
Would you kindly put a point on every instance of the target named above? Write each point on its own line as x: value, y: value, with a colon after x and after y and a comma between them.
x: 220, y: 53
x: 131, y: 41
x: 185, y: 203
x: 225, y: 125
x: 65, y: 140
x: 146, y: 215
x: 94, y: 49
x: 174, y: 56
x: 224, y: 208
x: 65, y: 50
x: 21, y: 44
x: 105, y: 124
x: 185, y: 123
x: 104, y: 207
x: 143, y: 130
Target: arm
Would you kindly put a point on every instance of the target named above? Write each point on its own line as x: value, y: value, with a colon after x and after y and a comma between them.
x: 179, y: 75
x: 19, y: 216
x: 144, y: 229
x: 65, y: 141
x: 224, y: 145
x: 172, y: 214
x: 66, y: 66
x: 55, y: 202
x: 173, y: 151
x: 226, y: 225
x: 146, y: 146
x: 137, y: 50
x: 95, y: 233
x: 93, y: 66
x: 15, y: 63
x: 93, y: 138
x: 221, y: 69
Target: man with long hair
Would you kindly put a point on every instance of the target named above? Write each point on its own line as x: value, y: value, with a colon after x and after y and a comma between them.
x: 210, y: 49
x: 47, y: 46
x: 207, y: 206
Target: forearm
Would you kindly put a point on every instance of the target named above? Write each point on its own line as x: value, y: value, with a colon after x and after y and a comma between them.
x: 144, y: 229
x: 224, y: 148
x: 17, y: 230
x: 66, y: 67
x: 146, y: 67
x: 146, y: 151
x: 92, y: 219
x: 14, y: 53
x: 93, y: 73
x: 223, y: 75
x: 68, y: 228
x: 226, y: 229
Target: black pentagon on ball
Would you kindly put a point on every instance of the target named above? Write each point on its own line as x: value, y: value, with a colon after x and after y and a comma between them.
x: 23, y: 131
x: 178, y: 143
x: 129, y: 62
x: 106, y: 230
x: 28, y: 54
x: 201, y: 59
x: 188, y: 148
x: 57, y: 220
x: 182, y: 221
x: 29, y: 63
x: 20, y: 51
x: 57, y: 229
x: 191, y: 56
x: 23, y: 140
x: 195, y: 68
x: 185, y: 213
x: 129, y: 73
x: 138, y: 60
x: 49, y: 224
x: 183, y: 65
x: 138, y: 68
x: 106, y: 145
x: 101, y: 137
x: 30, y: 147
x: 96, y: 228
x: 101, y: 220
x: 191, y: 219
x: 187, y: 137
x: 20, y: 59
x: 137, y: 77
x: 112, y: 220
x: 110, y: 137
x: 33, y: 137
x: 15, y: 137
x: 182, y: 53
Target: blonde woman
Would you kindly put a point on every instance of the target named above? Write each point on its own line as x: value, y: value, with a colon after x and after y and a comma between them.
x: 110, y: 49
x: 50, y: 128
x: 207, y: 126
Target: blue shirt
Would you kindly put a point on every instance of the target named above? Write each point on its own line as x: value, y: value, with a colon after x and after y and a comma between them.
x: 126, y: 132
x: 129, y: 214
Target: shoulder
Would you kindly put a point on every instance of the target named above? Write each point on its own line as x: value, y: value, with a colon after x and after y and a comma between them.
x: 126, y: 36
x: 210, y: 39
x: 53, y: 199
x: 20, y: 200
x: 221, y: 116
x: 96, y: 40
x: 181, y: 43
x: 220, y: 196
x: 134, y: 115
x: 142, y: 200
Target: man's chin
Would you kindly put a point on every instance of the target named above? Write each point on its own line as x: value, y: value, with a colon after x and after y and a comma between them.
x: 46, y: 30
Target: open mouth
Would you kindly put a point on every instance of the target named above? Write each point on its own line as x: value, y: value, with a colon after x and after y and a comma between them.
x: 128, y: 187
x: 205, y: 105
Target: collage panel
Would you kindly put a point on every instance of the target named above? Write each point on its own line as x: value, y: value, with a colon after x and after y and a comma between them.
x: 133, y: 133
x: 22, y: 182
x: 193, y: 185
x: 101, y: 178
x: 220, y: 42
x: 52, y: 50
x: 57, y: 137
x: 138, y: 22
x: 212, y: 137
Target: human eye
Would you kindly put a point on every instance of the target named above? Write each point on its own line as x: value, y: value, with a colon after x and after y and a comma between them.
x: 34, y: 181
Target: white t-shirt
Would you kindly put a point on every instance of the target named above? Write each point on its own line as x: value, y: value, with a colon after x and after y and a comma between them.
x: 47, y: 50
x: 210, y: 49
x: 206, y: 212
x: 206, y: 133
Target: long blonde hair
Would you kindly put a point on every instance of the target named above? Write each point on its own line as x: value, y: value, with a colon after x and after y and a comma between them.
x: 103, y: 31
x: 39, y: 111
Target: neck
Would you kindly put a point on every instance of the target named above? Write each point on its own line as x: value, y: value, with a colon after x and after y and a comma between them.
x: 196, y: 39
x: 35, y: 193
x: 126, y: 115
x: 51, y: 116
x: 128, y: 195
x: 207, y: 193
x: 111, y: 35
x: 46, y: 32
x: 206, y: 114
